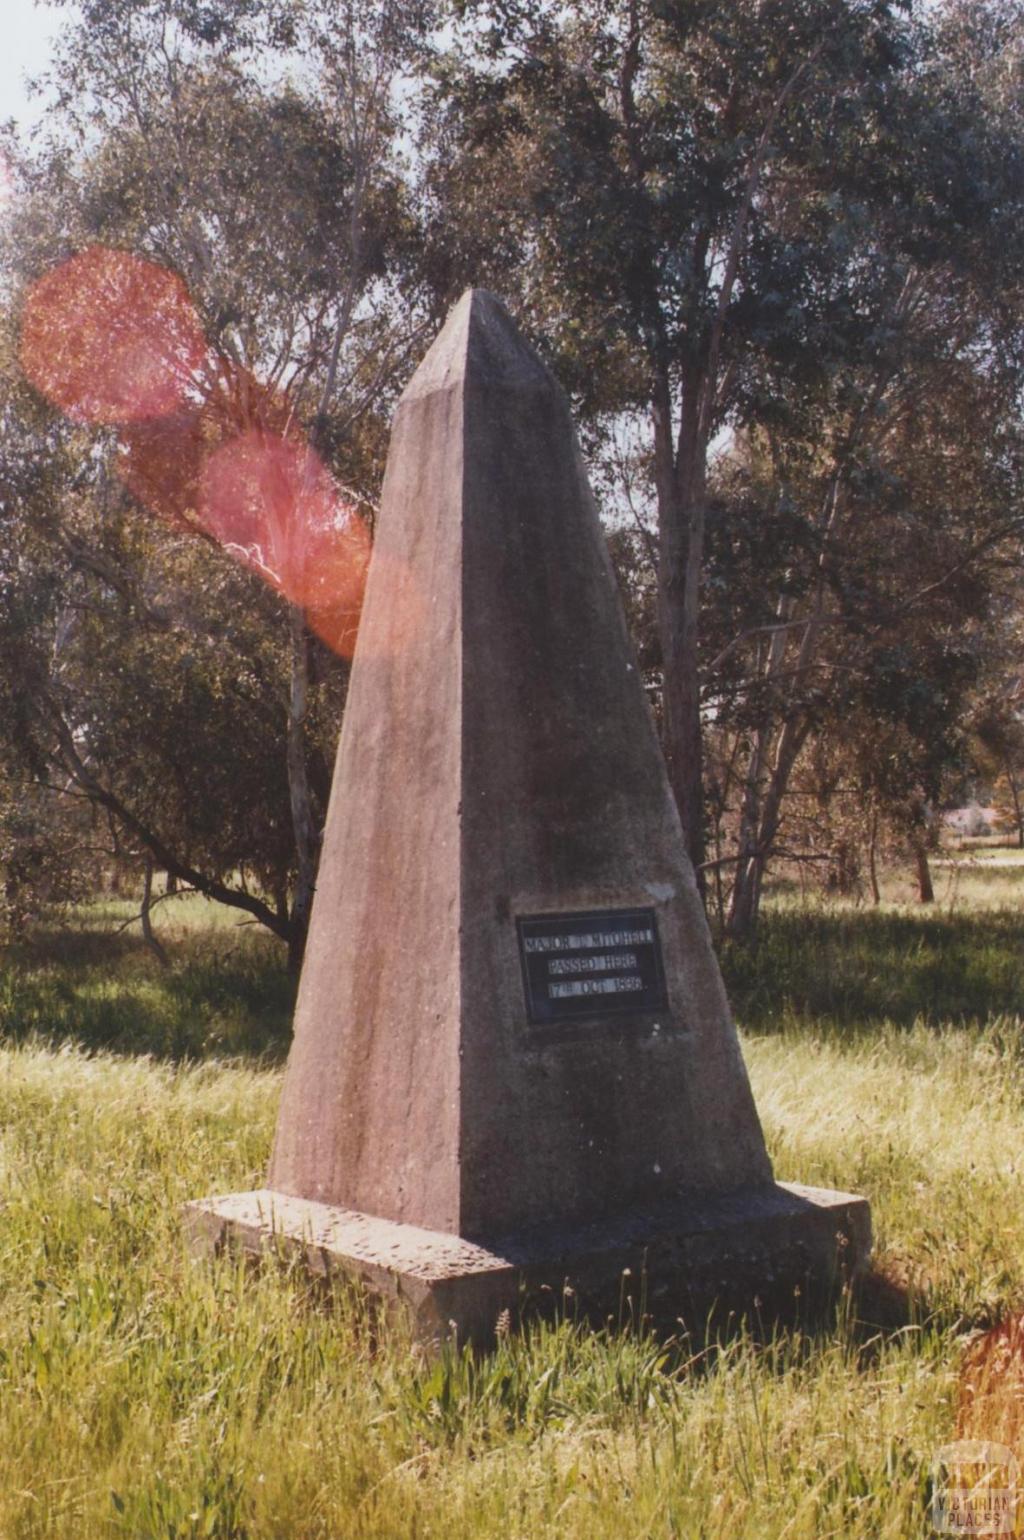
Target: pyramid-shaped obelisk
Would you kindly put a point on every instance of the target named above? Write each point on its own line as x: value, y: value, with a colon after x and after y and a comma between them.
x: 511, y: 1022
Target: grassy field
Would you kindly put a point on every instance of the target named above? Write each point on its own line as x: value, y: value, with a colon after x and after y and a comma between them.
x: 145, y: 1395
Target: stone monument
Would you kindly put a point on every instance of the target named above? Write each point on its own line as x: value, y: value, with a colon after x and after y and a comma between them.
x: 514, y: 1064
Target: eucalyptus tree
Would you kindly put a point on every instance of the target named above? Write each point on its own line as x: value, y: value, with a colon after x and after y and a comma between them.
x: 251, y: 149
x: 901, y: 464
x: 735, y: 217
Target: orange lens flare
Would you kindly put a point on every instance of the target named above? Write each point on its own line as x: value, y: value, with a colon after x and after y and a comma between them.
x: 111, y: 338
x: 270, y: 500
x: 336, y: 584
x: 161, y: 459
x: 991, y: 1401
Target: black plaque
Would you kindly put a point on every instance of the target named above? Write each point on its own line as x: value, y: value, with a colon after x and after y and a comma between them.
x: 590, y: 964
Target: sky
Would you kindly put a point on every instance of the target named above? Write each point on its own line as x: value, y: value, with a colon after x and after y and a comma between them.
x: 27, y: 31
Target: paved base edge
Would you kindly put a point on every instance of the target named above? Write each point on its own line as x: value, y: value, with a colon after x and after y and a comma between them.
x: 758, y: 1250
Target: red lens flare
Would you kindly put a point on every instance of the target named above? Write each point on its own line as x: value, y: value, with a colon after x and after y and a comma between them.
x: 272, y: 503
x: 161, y: 459
x: 160, y: 462
x: 114, y: 339
x: 337, y: 584
x: 111, y: 338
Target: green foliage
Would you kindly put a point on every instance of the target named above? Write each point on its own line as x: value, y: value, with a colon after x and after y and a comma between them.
x: 160, y: 668
x: 144, y: 670
x: 627, y: 138
x: 799, y: 223
x: 48, y: 854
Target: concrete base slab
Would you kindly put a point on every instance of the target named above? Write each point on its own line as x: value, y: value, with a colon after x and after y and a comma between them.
x: 747, y: 1250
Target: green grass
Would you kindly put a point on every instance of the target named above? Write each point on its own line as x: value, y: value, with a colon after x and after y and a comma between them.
x: 854, y: 971
x: 94, y: 982
x: 146, y: 1395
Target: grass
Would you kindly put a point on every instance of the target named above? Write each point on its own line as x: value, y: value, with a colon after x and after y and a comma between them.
x: 852, y: 971
x: 145, y: 1395
x: 94, y: 982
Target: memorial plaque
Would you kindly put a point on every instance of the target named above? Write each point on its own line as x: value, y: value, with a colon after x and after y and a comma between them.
x: 591, y: 964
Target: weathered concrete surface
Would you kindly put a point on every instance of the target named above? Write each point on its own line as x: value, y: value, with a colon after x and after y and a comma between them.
x: 749, y: 1249
x: 498, y: 760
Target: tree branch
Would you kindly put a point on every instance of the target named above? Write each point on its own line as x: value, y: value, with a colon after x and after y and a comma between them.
x: 73, y: 763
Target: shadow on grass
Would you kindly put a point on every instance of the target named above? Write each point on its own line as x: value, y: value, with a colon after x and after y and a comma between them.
x: 75, y: 946
x: 639, y: 1356
x: 854, y: 969
x: 226, y: 993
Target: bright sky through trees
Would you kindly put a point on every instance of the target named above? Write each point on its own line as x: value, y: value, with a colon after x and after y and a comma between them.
x: 28, y: 32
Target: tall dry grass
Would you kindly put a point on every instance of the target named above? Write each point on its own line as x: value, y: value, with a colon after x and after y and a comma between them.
x: 144, y: 1394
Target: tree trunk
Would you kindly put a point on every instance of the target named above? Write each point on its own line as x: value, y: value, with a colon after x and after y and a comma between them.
x: 719, y: 890
x: 925, y: 890
x: 742, y: 915
x: 1015, y: 794
x: 743, y: 904
x: 746, y: 895
x: 681, y: 515
x: 684, y: 750
x: 745, y: 907
x: 307, y: 840
x: 148, y: 933
x: 876, y: 892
